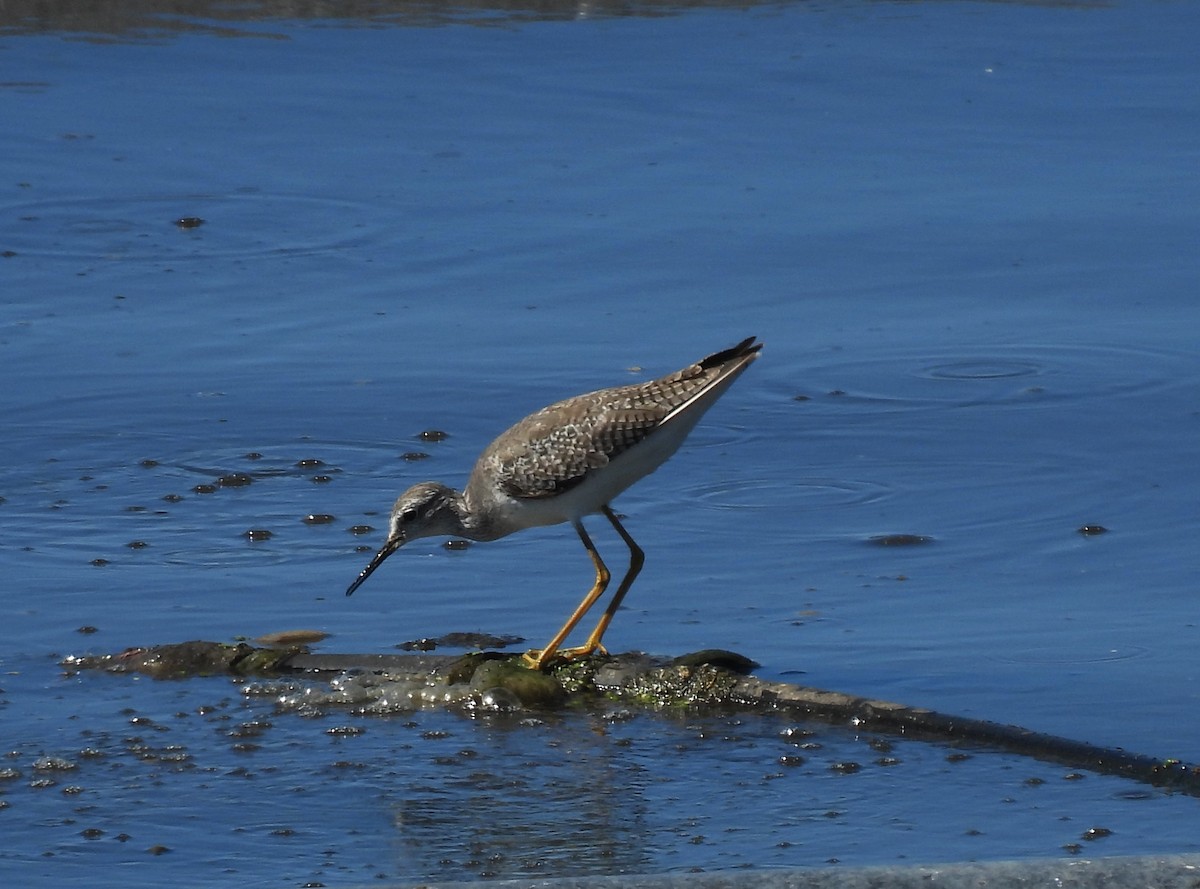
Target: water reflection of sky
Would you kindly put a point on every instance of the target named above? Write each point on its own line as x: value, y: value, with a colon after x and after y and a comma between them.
x: 966, y: 233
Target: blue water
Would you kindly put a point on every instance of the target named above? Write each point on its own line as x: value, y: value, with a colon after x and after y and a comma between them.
x: 966, y: 233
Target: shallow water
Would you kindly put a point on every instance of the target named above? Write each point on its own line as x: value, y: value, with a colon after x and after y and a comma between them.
x: 966, y: 233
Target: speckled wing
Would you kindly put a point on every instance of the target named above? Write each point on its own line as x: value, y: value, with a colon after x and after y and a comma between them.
x: 554, y: 449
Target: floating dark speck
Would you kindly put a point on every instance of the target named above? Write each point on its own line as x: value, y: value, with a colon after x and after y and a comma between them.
x: 433, y: 435
x: 235, y: 480
x: 87, y: 630
x: 205, y: 489
x: 359, y: 530
x: 256, y: 534
x: 321, y: 479
x: 456, y: 546
x: 189, y: 222
x: 311, y: 463
x: 318, y: 518
x: 147, y: 463
x: 1092, y: 530
x: 137, y: 544
x: 899, y: 539
x: 474, y: 639
x: 99, y: 563
x: 413, y: 456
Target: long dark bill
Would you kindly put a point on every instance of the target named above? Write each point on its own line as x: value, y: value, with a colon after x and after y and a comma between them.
x: 388, y: 548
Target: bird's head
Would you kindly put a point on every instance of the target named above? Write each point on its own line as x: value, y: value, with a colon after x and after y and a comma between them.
x: 425, y: 510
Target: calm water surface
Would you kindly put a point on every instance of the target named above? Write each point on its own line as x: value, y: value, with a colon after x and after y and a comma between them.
x: 966, y: 233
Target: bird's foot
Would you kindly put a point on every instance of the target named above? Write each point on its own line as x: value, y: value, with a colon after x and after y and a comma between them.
x: 536, y: 659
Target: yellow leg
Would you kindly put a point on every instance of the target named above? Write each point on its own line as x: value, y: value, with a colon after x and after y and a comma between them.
x: 538, y: 659
x: 637, y: 558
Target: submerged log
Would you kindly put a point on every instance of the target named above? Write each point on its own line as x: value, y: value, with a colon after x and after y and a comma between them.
x: 712, y: 679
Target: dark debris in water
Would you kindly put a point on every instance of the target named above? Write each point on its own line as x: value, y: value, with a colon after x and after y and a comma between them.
x: 461, y: 640
x: 717, y: 657
x: 900, y: 539
x: 186, y: 660
x: 422, y: 644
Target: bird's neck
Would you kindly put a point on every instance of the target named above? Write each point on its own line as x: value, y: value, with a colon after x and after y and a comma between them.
x: 454, y: 514
x: 477, y: 515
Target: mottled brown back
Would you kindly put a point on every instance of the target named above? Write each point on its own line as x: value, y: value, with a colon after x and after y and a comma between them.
x: 554, y: 449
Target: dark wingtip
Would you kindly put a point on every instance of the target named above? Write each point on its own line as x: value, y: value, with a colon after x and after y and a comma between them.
x: 746, y: 347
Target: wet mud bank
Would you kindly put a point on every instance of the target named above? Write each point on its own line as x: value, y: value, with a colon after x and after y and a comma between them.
x: 489, y: 682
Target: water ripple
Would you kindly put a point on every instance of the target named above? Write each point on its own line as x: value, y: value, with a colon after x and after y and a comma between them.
x: 803, y: 493
x: 1022, y: 375
x: 243, y: 224
x: 1059, y: 656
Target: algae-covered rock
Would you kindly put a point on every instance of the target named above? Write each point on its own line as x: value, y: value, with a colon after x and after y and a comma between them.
x: 532, y: 688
